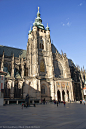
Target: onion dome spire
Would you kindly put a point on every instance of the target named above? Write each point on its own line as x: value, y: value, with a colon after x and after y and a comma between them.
x: 47, y: 28
x: 38, y: 21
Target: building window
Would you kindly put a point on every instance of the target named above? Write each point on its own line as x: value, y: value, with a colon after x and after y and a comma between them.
x: 42, y: 46
x: 42, y: 90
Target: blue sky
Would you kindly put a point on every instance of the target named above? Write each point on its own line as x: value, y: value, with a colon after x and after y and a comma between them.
x: 66, y: 19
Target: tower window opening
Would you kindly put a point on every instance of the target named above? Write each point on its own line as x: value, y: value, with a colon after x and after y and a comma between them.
x: 42, y: 46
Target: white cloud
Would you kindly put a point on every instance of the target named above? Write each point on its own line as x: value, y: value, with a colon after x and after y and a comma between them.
x: 62, y: 24
x: 67, y: 19
x: 68, y: 24
x: 80, y: 4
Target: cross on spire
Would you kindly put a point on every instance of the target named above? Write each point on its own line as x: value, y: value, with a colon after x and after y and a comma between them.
x: 38, y: 8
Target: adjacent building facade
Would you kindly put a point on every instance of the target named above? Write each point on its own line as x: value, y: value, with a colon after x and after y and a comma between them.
x: 40, y: 71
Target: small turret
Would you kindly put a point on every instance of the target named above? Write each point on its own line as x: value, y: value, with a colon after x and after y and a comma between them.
x: 30, y: 31
x: 47, y: 31
x: 29, y: 35
x: 2, y: 62
x: 12, y: 71
x: 22, y: 66
x: 47, y: 28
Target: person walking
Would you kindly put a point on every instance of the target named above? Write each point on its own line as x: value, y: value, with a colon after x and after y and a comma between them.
x: 41, y: 101
x: 64, y: 103
x: 26, y: 104
x: 57, y: 103
x: 22, y: 105
x: 84, y: 102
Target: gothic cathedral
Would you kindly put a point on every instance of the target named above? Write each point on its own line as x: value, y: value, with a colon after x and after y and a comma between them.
x: 40, y: 71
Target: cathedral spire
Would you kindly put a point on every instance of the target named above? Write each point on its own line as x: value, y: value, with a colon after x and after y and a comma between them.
x: 38, y: 13
x: 38, y: 21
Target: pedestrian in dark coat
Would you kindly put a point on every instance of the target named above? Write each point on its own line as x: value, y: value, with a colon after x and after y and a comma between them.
x: 57, y: 103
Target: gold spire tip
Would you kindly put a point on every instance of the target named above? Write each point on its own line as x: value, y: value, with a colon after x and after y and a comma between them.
x: 38, y: 8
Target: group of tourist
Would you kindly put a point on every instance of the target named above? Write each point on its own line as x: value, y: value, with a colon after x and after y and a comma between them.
x: 82, y: 101
x: 43, y: 101
x: 56, y: 102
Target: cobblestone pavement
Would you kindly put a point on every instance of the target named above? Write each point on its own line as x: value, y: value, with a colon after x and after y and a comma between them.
x: 72, y: 116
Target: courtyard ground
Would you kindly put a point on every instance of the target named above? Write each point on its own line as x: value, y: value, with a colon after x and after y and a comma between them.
x: 72, y: 116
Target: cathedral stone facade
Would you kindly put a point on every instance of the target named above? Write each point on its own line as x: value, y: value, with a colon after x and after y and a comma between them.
x: 40, y: 71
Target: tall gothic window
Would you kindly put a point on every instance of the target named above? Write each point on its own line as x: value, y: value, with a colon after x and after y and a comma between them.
x: 42, y: 66
x: 42, y: 46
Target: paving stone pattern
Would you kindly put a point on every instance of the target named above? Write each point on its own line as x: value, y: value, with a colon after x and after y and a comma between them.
x: 72, y: 116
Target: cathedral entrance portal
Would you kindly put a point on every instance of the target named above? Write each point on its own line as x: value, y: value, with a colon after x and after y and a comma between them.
x: 63, y: 95
x: 58, y: 96
x: 45, y: 92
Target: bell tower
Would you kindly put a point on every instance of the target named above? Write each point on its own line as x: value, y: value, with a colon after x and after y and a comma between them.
x: 39, y: 54
x: 39, y: 59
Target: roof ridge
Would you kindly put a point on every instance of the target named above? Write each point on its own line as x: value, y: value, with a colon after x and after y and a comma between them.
x: 12, y: 47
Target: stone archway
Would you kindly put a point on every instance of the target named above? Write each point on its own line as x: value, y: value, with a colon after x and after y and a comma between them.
x: 58, y: 96
x: 42, y: 89
x: 63, y: 95
x: 45, y: 90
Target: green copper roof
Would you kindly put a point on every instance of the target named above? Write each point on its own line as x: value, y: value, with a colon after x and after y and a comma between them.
x: 8, y: 51
x: 38, y: 21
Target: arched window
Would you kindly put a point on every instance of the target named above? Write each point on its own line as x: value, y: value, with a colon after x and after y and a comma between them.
x: 42, y: 46
x: 18, y: 93
x: 26, y: 71
x: 42, y: 66
x: 42, y: 90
